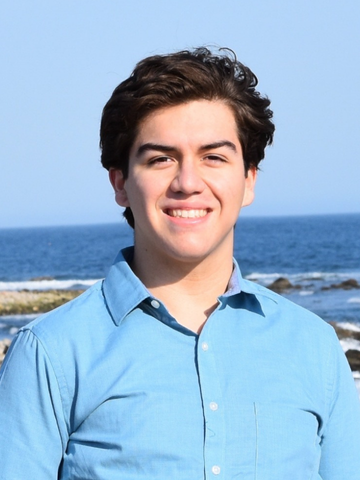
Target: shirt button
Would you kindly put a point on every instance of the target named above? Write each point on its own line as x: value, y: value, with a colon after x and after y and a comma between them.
x: 205, y: 346
x: 215, y: 470
x: 214, y: 406
x: 155, y: 303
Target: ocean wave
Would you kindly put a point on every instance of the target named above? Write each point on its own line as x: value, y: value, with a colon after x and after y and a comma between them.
x: 334, y: 277
x: 350, y: 344
x: 349, y: 326
x: 354, y: 300
x: 72, y: 284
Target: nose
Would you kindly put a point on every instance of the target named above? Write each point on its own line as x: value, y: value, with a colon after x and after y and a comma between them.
x: 188, y: 178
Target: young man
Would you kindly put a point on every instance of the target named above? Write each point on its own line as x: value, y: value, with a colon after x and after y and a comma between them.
x: 174, y: 367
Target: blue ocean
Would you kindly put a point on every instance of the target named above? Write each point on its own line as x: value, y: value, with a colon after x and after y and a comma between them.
x: 312, y: 252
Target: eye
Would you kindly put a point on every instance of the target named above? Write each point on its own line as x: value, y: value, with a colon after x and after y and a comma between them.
x: 160, y: 160
x: 214, y: 158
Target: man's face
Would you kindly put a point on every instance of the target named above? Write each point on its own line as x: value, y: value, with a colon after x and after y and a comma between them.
x: 186, y: 182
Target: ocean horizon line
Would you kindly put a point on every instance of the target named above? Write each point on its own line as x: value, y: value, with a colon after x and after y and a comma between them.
x: 122, y: 222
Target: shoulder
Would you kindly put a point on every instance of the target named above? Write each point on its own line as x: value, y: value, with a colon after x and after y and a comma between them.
x: 68, y: 340
x: 72, y: 320
x: 289, y: 315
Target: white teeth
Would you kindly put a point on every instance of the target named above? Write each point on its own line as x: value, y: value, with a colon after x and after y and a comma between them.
x: 187, y: 213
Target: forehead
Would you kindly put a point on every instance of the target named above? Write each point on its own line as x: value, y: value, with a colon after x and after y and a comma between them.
x: 191, y: 122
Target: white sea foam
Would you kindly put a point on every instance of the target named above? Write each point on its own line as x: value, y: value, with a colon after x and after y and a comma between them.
x: 20, y: 317
x: 47, y: 284
x: 354, y: 300
x: 305, y: 293
x: 350, y: 344
x: 357, y: 383
x: 349, y: 326
x: 257, y: 275
x: 356, y: 376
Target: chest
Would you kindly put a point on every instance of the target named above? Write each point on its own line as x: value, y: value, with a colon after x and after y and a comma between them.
x: 169, y: 405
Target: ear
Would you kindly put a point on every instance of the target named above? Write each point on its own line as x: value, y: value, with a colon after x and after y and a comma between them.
x: 249, y: 192
x: 118, y: 181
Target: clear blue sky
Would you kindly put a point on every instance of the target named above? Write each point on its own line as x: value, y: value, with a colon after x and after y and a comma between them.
x: 60, y: 61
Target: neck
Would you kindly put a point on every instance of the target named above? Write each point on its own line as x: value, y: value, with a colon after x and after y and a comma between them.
x: 188, y: 289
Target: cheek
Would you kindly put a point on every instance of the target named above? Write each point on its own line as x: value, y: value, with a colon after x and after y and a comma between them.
x: 230, y: 190
x: 140, y: 194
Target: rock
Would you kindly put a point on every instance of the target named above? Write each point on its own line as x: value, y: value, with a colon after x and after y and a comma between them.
x: 344, y: 332
x: 351, y: 283
x: 280, y: 285
x: 353, y: 357
x: 345, y: 285
x: 4, y: 347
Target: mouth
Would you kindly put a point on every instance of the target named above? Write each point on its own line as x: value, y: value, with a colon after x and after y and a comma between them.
x: 195, y: 213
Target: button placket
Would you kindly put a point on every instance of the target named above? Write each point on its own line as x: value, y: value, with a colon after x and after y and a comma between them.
x: 214, y: 446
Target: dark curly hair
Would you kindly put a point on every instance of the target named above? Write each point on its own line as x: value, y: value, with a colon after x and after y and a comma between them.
x: 167, y: 80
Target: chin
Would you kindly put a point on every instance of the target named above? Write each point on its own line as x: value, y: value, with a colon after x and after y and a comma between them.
x: 191, y: 255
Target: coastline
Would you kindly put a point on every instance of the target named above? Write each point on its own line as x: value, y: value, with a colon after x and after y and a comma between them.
x: 21, y: 302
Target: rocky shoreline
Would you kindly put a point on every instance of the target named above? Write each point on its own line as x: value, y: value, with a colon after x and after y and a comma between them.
x: 347, y: 336
x: 282, y: 284
x: 33, y: 301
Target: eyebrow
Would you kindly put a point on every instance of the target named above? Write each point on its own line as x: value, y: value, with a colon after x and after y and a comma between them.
x: 167, y: 148
x: 221, y: 143
x: 145, y: 147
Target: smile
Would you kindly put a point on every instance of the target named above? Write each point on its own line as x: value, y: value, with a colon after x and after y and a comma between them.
x: 187, y: 213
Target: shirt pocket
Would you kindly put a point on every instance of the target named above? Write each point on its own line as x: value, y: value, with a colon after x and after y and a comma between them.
x: 287, y: 443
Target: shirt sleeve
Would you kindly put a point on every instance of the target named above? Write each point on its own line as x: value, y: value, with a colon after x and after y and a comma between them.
x: 340, y: 449
x: 31, y: 417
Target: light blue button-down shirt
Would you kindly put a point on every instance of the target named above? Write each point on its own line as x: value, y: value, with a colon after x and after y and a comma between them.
x: 110, y: 386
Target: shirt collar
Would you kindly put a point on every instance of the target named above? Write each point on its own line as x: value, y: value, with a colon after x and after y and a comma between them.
x: 238, y: 284
x: 124, y: 291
